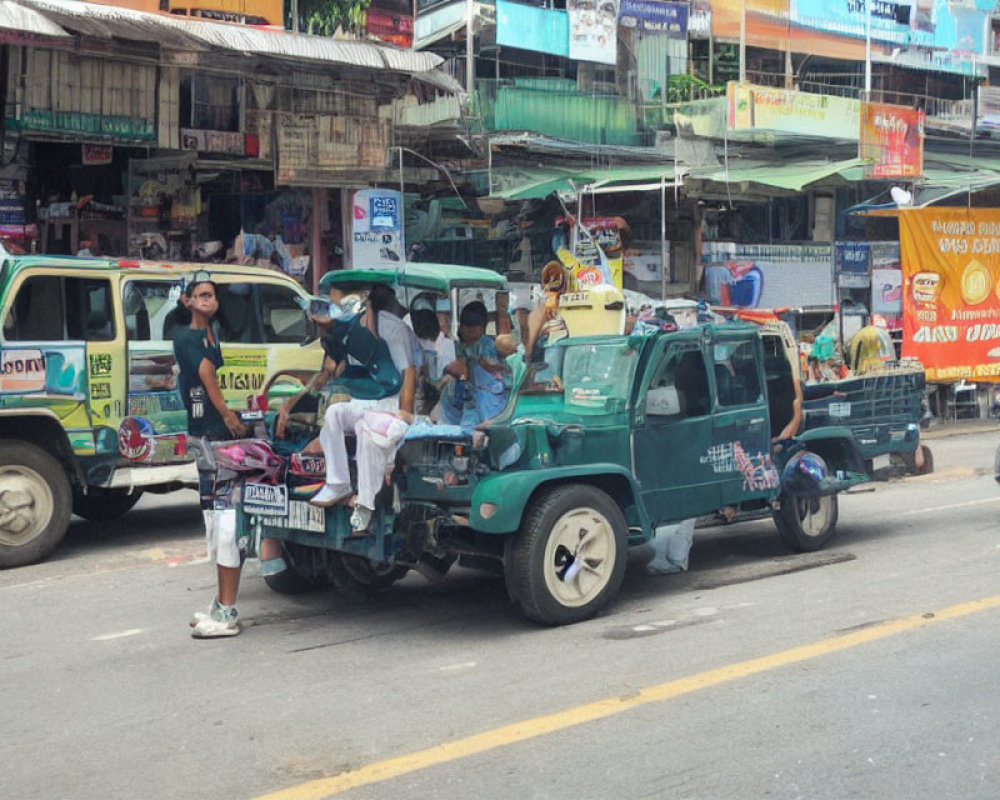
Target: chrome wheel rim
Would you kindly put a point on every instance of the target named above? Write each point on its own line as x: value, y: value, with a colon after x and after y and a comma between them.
x: 26, y: 505
x: 579, y: 557
x: 814, y: 522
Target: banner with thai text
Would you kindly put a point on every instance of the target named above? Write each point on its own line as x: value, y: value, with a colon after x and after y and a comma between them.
x: 892, y: 141
x: 951, y: 291
x: 655, y: 17
x: 785, y: 110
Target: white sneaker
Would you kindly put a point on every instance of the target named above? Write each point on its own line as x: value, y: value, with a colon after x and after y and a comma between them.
x: 361, y: 518
x: 223, y: 621
x: 330, y: 495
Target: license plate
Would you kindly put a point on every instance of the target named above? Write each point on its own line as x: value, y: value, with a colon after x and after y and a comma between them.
x: 265, y: 499
x: 881, y: 462
x: 840, y: 409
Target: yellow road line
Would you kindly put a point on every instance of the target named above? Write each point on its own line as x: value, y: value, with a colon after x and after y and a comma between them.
x: 561, y: 720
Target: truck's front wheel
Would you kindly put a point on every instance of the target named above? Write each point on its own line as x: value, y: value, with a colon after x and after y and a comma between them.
x: 568, y: 559
x: 35, y: 503
x: 806, y: 523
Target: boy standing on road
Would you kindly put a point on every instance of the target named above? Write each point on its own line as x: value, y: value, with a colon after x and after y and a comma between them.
x: 199, y: 356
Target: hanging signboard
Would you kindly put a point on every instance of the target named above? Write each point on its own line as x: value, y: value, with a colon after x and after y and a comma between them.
x: 96, y: 154
x: 951, y: 291
x: 788, y: 111
x: 377, y: 224
x: 851, y: 260
x: 892, y: 141
x: 541, y: 30
x: 593, y: 30
x: 229, y: 142
x: 655, y: 17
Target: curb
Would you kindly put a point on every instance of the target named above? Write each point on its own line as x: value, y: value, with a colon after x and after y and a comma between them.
x: 959, y: 429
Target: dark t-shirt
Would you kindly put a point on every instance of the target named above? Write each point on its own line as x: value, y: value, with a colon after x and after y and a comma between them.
x: 191, y: 347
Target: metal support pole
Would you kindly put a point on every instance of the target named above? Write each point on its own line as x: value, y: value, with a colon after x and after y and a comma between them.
x: 743, y: 41
x: 470, y: 48
x: 663, y: 238
x: 868, y: 51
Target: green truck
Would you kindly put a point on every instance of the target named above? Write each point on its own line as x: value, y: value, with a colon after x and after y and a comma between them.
x: 600, y: 443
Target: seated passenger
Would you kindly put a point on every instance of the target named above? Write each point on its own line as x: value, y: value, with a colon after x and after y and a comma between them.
x: 477, y: 392
x: 382, y: 382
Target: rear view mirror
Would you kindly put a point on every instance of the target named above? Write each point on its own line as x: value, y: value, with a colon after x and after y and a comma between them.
x: 663, y: 401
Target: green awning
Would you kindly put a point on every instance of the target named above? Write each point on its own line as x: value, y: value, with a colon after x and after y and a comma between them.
x: 789, y: 177
x: 536, y: 185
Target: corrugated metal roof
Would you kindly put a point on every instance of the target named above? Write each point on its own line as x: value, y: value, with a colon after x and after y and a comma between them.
x: 182, y: 33
x: 14, y: 17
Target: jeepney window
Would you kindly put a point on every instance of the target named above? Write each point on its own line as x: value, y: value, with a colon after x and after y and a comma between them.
x: 736, y: 376
x: 152, y: 310
x: 37, y: 311
x: 235, y: 315
x: 598, y: 377
x: 55, y: 308
x: 88, y: 309
x: 281, y: 314
x: 684, y: 370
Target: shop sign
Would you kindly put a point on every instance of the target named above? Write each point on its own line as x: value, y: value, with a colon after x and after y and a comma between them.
x: 852, y: 262
x: 593, y: 30
x: 233, y: 143
x: 377, y: 228
x: 988, y: 110
x: 317, y: 151
x: 655, y: 17
x: 389, y: 27
x: 892, y: 141
x: 76, y: 123
x: 951, y: 291
x: 541, y: 30
x: 96, y: 154
x: 787, y: 111
x: 911, y: 23
x: 700, y: 19
x: 435, y: 17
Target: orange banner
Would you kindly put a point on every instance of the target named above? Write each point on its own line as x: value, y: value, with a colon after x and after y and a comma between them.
x: 951, y: 291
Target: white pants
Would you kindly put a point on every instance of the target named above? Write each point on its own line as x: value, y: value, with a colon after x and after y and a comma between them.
x: 220, y: 537
x: 372, y: 460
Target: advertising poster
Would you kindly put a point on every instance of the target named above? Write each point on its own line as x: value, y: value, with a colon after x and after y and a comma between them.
x: 892, y: 141
x: 655, y: 17
x: 951, y: 291
x: 887, y: 292
x: 378, y: 228
x: 593, y: 30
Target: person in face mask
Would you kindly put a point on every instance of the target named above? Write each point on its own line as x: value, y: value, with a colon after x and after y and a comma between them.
x: 374, y: 360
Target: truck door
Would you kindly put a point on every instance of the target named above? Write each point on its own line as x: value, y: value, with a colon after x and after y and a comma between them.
x: 740, y: 431
x: 674, y: 460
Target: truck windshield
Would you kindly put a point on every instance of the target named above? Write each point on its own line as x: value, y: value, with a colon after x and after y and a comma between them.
x: 593, y: 378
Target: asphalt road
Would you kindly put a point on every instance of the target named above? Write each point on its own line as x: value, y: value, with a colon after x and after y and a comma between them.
x: 866, y: 670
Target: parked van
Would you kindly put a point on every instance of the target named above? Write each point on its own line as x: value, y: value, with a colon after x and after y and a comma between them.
x: 90, y: 413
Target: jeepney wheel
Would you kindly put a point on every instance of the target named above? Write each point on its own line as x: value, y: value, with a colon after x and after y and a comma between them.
x: 568, y: 560
x: 301, y: 576
x: 35, y: 503
x: 101, y: 505
x: 359, y: 578
x: 806, y: 523
x: 922, y: 464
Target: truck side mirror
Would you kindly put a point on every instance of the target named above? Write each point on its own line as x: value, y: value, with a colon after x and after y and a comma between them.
x: 663, y: 401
